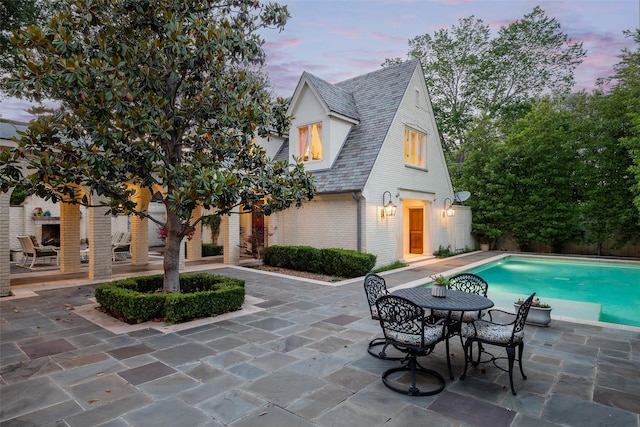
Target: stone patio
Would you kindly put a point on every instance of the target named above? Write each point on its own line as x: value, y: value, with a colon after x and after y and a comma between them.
x: 296, y: 357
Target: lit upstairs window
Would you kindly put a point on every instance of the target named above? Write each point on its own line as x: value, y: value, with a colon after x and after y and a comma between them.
x: 310, y: 142
x: 415, y: 148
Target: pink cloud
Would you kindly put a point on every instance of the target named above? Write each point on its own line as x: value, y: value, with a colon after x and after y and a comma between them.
x: 282, y: 44
x: 352, y: 34
x: 382, y: 36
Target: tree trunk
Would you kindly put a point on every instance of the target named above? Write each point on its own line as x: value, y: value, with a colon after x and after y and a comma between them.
x: 171, y: 261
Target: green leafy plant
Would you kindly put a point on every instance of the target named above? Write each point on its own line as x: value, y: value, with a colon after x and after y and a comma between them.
x: 440, y: 280
x: 393, y: 266
x: 536, y: 303
x: 329, y: 261
x: 138, y: 299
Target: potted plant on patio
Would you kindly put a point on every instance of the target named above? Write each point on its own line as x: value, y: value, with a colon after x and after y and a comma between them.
x: 539, y: 313
x: 439, y: 286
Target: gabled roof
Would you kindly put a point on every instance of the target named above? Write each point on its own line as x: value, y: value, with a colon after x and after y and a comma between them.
x: 336, y: 99
x: 377, y: 96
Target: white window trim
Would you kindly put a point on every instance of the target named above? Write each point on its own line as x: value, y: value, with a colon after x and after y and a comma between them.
x: 322, y: 142
x: 418, y: 130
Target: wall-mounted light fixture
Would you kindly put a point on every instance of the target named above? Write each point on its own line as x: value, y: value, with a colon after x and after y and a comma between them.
x: 448, y: 207
x: 388, y: 209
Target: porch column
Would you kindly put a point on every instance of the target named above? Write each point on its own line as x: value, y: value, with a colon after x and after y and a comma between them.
x: 70, y: 238
x: 181, y: 262
x: 194, y: 246
x: 140, y: 229
x: 231, y: 226
x: 99, y: 234
x: 5, y: 253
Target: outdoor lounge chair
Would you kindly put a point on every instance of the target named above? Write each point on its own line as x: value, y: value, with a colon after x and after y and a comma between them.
x: 120, y: 244
x: 31, y: 248
x: 507, y: 335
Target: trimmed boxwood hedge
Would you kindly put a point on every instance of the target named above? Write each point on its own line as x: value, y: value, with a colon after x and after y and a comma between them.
x: 332, y: 261
x: 138, y: 299
x: 211, y: 249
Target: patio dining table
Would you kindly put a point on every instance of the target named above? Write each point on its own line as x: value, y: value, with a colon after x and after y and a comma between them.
x: 453, y: 301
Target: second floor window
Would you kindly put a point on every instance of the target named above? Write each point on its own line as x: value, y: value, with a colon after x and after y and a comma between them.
x: 415, y: 148
x: 310, y: 142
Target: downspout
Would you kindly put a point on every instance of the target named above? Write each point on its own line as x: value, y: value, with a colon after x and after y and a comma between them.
x: 358, y: 199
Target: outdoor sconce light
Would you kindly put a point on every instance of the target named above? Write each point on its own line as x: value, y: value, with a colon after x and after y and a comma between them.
x: 388, y: 209
x: 448, y: 209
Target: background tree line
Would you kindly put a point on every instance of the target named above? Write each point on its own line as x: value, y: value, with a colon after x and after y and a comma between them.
x: 544, y: 165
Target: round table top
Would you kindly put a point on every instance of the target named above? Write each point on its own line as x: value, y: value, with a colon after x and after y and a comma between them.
x: 454, y: 301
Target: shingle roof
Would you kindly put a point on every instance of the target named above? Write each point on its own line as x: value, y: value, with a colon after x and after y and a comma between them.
x: 377, y: 96
x: 338, y: 100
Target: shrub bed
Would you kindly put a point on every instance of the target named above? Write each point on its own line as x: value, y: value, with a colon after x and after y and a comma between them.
x: 332, y: 261
x: 138, y: 299
x: 210, y: 249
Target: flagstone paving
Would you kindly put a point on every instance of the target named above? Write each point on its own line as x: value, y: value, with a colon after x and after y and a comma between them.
x: 297, y: 358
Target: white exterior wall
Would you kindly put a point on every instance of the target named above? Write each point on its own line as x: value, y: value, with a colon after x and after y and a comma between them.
x: 388, y: 237
x: 327, y: 221
x: 309, y: 110
x: 271, y: 144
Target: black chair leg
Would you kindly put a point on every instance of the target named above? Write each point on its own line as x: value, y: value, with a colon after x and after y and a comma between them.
x: 382, y: 354
x: 449, y: 359
x: 520, y: 349
x: 511, y: 355
x: 467, y: 355
x: 475, y: 362
x: 412, y: 366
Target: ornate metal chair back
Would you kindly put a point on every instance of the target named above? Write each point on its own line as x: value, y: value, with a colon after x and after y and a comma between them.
x: 469, y: 282
x: 402, y: 321
x: 374, y: 288
x: 521, y: 316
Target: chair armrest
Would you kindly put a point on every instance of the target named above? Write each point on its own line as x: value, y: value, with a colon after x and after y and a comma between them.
x: 440, y: 321
x: 496, y: 310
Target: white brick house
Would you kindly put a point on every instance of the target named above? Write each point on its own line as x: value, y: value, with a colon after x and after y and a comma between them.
x: 366, y: 138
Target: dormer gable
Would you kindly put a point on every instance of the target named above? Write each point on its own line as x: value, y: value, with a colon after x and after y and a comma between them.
x: 323, y: 115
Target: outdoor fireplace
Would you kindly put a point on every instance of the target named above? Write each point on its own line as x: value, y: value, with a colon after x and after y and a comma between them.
x: 47, y: 230
x: 50, y: 235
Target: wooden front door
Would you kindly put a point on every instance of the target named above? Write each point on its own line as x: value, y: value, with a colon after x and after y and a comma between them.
x: 416, y: 227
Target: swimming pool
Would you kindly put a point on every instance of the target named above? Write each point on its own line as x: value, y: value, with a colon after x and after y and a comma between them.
x: 606, y: 291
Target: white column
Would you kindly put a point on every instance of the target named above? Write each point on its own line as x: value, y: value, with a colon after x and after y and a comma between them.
x: 231, y: 226
x: 99, y: 235
x: 182, y: 263
x: 5, y: 266
x: 140, y: 229
x: 194, y: 246
x: 70, y: 238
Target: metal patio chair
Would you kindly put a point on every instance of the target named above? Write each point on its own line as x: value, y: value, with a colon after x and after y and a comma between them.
x: 509, y: 336
x: 406, y: 327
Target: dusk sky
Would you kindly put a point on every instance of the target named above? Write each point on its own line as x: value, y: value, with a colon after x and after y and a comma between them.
x: 339, y: 39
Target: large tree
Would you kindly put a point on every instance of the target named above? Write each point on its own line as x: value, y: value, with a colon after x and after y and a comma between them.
x: 627, y: 94
x: 604, y: 179
x: 471, y: 74
x: 15, y: 14
x: 154, y: 94
x: 541, y: 167
x: 525, y: 185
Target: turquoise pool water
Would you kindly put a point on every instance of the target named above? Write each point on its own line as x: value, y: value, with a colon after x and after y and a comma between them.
x: 615, y: 286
